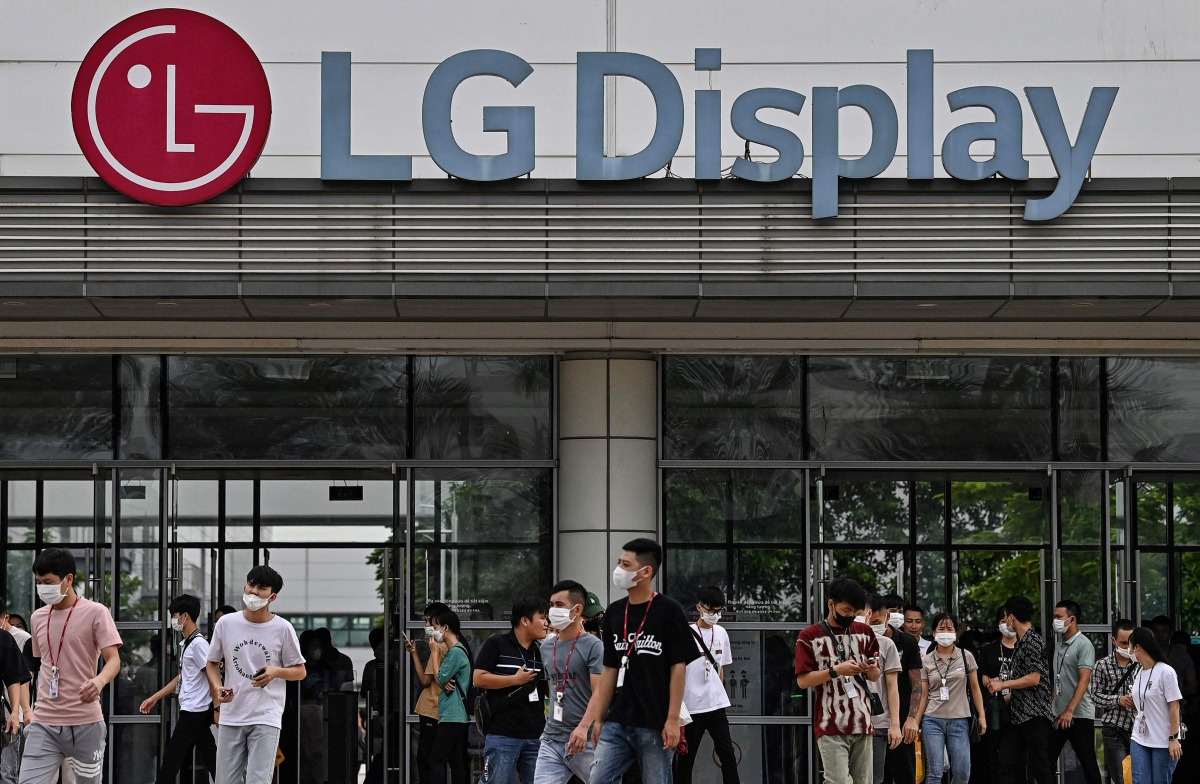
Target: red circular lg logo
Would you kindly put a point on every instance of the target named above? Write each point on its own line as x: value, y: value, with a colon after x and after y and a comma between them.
x: 171, y: 107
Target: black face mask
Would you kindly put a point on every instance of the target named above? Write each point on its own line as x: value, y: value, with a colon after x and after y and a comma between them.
x: 843, y: 621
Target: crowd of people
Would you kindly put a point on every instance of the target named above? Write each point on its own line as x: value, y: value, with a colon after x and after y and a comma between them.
x: 579, y: 692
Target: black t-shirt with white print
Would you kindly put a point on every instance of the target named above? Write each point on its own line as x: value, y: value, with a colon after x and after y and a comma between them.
x: 644, y: 697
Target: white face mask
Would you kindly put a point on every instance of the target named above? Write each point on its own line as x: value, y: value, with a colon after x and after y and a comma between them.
x: 254, y: 602
x: 879, y: 628
x: 1126, y: 652
x: 429, y: 631
x: 176, y: 625
x: 51, y: 594
x: 1005, y: 631
x: 944, y: 638
x: 860, y: 619
x: 559, y: 617
x: 711, y: 618
x: 623, y: 580
x: 896, y: 620
x: 438, y: 636
x: 1060, y: 626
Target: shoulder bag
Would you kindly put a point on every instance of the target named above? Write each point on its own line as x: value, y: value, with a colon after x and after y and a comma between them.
x: 974, y: 720
x: 876, y: 703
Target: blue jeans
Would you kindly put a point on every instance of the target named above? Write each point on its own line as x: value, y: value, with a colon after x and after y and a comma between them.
x: 939, y: 736
x: 1150, y: 765
x: 556, y: 766
x: 503, y: 757
x: 621, y: 746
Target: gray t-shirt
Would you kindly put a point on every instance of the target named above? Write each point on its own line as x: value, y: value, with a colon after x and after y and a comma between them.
x: 1070, y: 657
x: 890, y: 664
x: 938, y: 672
x: 586, y: 661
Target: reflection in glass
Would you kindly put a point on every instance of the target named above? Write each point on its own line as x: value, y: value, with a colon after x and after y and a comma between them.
x: 1189, y: 572
x: 985, y: 579
x: 140, y: 380
x: 1080, y: 506
x: 69, y: 510
x: 1153, y: 409
x: 19, y: 590
x: 56, y: 408
x: 1152, y: 583
x: 761, y: 584
x: 879, y: 571
x: 1083, y: 581
x: 1079, y: 409
x: 487, y: 408
x: 278, y: 408
x: 480, y: 584
x: 134, y: 750
x: 954, y: 408
x: 1186, y: 530
x: 734, y: 506
x: 1152, y: 513
x: 477, y: 506
x: 931, y: 583
x: 872, y: 511
x: 299, y: 510
x: 141, y: 670
x: 733, y: 408
x: 990, y: 512
x: 21, y: 509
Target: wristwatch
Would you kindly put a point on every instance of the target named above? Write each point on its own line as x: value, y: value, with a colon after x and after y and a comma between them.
x: 1172, y: 737
x: 833, y: 676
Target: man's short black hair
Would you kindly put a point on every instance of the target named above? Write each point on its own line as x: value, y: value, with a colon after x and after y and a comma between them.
x: 527, y: 607
x: 264, y: 576
x: 226, y: 609
x: 1073, y: 609
x: 55, y: 561
x: 893, y: 600
x: 1123, y: 625
x: 914, y: 608
x: 1020, y: 608
x: 185, y: 604
x: 648, y: 552
x: 576, y: 591
x: 876, y: 602
x: 843, y: 589
x: 711, y: 596
x: 433, y: 609
x: 1162, y: 620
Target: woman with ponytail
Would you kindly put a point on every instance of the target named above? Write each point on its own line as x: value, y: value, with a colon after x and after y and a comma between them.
x: 1155, y: 747
x: 454, y: 676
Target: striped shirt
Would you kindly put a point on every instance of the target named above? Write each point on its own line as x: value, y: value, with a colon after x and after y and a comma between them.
x: 1105, y: 692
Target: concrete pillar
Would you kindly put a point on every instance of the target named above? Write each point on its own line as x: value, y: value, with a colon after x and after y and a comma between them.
x: 608, y: 463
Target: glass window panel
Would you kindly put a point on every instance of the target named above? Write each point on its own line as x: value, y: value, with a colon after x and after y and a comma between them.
x: 733, y: 408
x: 1080, y: 504
x: 1187, y: 514
x: 140, y: 380
x: 880, y: 571
x: 141, y: 670
x: 198, y: 505
x: 19, y: 589
x: 325, y: 584
x: 237, y: 564
x: 138, y: 504
x: 734, y: 505
x: 138, y: 598
x: 480, y: 584
x: 985, y: 579
x: 1152, y: 513
x: 279, y: 408
x: 931, y: 512
x: 931, y: 583
x: 486, y: 505
x: 761, y: 584
x: 21, y: 509
x: 773, y: 754
x: 134, y: 751
x: 929, y: 408
x: 1153, y: 409
x: 1189, y: 571
x: 68, y: 511
x: 299, y: 510
x: 1079, y: 409
x: 489, y: 408
x: 1152, y: 583
x: 239, y: 510
x: 761, y: 681
x: 1083, y: 581
x: 56, y: 408
x: 1009, y: 512
x: 861, y: 511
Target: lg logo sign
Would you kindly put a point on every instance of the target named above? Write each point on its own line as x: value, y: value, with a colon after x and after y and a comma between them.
x: 171, y: 107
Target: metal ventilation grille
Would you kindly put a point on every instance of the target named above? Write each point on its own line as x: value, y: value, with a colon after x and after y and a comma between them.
x: 564, y: 230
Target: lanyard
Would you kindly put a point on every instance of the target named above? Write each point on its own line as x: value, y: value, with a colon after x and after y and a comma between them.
x: 945, y: 676
x: 562, y: 685
x: 1062, y: 654
x: 49, y: 645
x: 632, y: 644
x: 1145, y: 689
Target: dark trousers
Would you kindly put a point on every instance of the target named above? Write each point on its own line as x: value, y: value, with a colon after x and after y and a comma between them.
x: 716, y: 724
x: 1027, y: 742
x: 193, y: 730
x: 426, y: 733
x: 449, y: 748
x: 1116, y: 749
x: 1082, y: 737
x: 900, y: 764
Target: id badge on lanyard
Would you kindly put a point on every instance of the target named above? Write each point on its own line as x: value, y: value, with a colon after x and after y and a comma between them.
x: 53, y: 690
x: 558, y: 706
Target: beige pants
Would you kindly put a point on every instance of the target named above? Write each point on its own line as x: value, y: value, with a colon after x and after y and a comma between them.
x: 846, y: 759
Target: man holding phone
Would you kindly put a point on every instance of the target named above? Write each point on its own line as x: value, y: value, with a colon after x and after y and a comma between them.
x: 260, y: 651
x: 509, y: 669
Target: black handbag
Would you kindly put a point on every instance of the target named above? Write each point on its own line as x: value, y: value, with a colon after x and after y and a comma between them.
x: 974, y: 720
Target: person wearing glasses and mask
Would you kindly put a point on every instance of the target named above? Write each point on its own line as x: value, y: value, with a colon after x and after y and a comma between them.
x: 704, y: 691
x: 1156, y: 742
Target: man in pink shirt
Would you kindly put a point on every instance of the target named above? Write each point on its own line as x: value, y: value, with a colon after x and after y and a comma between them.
x: 69, y: 634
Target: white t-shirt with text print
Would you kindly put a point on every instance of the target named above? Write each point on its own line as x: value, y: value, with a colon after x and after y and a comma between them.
x: 245, y: 647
